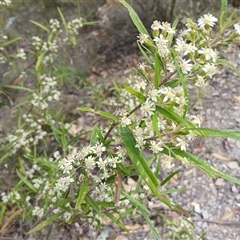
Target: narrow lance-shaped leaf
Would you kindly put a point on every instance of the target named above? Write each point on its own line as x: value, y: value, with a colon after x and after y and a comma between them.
x: 209, y: 132
x: 199, y: 163
x: 144, y: 170
x: 101, y: 113
x: 139, y: 95
x: 82, y: 193
x: 144, y: 211
x: 45, y: 223
x: 136, y: 20
x: 93, y: 139
x: 224, y: 4
x: 26, y: 181
x: 41, y: 26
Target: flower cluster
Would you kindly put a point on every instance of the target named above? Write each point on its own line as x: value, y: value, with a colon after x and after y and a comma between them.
x: 181, y: 227
x: 26, y: 138
x: 47, y: 92
x: 21, y: 54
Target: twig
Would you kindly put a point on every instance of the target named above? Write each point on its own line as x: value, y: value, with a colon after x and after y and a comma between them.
x: 9, y: 220
x: 220, y: 222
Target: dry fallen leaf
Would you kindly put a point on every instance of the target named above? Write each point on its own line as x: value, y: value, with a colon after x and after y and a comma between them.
x: 221, y: 157
x: 227, y: 214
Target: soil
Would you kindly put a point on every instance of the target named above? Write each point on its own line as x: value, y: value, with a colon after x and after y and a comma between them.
x: 214, y: 203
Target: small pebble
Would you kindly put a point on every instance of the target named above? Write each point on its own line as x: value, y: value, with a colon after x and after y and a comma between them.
x: 205, y: 214
x: 234, y: 189
x: 197, y: 208
x: 219, y: 182
x: 237, y: 197
x: 233, y: 165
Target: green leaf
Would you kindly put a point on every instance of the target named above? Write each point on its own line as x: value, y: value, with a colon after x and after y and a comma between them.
x: 209, y: 132
x: 19, y: 88
x: 82, y: 193
x: 101, y: 113
x: 117, y: 221
x: 93, y: 204
x: 144, y: 170
x: 144, y: 211
x: 136, y: 202
x: 171, y: 175
x: 200, y: 163
x: 135, y: 93
x: 93, y: 139
x: 150, y: 224
x: 175, y: 117
x: 173, y: 190
x: 144, y: 54
x: 229, y: 64
x: 107, y: 115
x: 45, y: 223
x: 138, y: 159
x: 136, y: 20
x: 224, y: 4
x: 41, y: 26
x: 4, y: 44
x: 25, y: 180
x: 155, y: 124
x: 55, y: 131
x: 85, y: 109
x: 62, y: 18
x: 39, y: 60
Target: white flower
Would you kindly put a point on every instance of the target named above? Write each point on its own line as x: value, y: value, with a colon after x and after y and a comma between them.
x: 90, y: 162
x: 21, y: 54
x: 181, y: 46
x: 181, y: 143
x: 54, y: 25
x: 142, y: 66
x: 237, y: 28
x: 98, y: 149
x: 37, y: 211
x: 200, y: 81
x: 171, y: 67
x: 141, y: 85
x: 156, y: 25
x: 140, y: 142
x: 162, y: 45
x: 168, y: 166
x: 148, y: 108
x: 142, y: 38
x: 125, y: 121
x: 101, y: 163
x: 156, y: 147
x: 184, y: 48
x: 209, y: 69
x: 167, y: 91
x: 209, y: 53
x: 185, y: 66
x: 207, y: 20
x: 165, y: 26
x: 153, y: 93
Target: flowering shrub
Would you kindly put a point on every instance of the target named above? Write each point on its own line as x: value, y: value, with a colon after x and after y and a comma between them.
x: 150, y: 128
